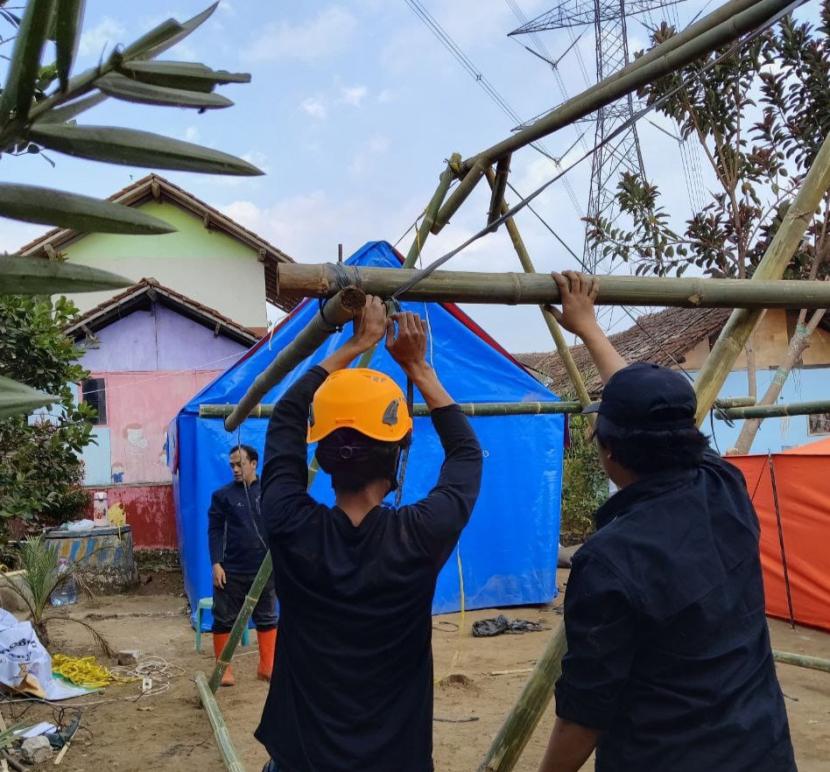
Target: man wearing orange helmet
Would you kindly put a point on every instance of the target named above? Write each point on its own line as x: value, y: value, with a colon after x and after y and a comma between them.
x: 352, y: 685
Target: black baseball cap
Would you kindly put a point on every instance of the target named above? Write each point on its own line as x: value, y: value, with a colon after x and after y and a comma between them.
x: 647, y: 396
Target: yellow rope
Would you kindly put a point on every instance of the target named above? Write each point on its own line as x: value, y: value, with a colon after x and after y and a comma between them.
x: 86, y: 672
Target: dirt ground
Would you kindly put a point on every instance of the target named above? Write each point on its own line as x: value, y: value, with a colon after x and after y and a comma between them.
x: 124, y: 732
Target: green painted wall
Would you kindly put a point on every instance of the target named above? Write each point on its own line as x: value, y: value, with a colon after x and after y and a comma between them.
x: 207, y: 266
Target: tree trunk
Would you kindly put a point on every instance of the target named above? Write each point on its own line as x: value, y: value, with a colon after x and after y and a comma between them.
x: 798, y: 343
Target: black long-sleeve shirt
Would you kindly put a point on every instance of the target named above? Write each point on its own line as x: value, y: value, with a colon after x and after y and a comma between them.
x: 236, y: 531
x: 668, y: 646
x: 352, y: 688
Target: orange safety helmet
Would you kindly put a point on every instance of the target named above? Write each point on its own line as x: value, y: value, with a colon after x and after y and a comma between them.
x: 361, y: 399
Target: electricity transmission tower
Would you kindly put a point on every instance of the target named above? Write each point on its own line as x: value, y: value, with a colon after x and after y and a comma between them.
x: 623, y: 153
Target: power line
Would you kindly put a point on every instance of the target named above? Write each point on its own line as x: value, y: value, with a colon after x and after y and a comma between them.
x: 447, y: 41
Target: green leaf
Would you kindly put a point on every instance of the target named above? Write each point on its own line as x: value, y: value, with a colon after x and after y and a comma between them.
x: 25, y: 61
x: 121, y: 87
x: 71, y: 109
x: 190, y: 76
x: 70, y: 14
x: 186, y: 28
x: 37, y: 276
x: 18, y: 398
x: 158, y: 36
x: 71, y: 210
x: 131, y: 147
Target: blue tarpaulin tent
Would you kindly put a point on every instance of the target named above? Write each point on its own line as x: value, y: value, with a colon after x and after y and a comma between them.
x: 508, y: 552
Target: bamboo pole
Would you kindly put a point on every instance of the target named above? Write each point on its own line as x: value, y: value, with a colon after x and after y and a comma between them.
x: 220, y: 730
x: 511, y: 739
x: 775, y: 411
x: 459, y: 196
x: 241, y: 622
x: 324, y: 279
x: 498, y: 186
x: 730, y: 402
x: 430, y: 213
x: 555, y: 330
x: 336, y: 312
x: 420, y: 409
x: 715, y: 30
x: 741, y: 323
x: 801, y: 660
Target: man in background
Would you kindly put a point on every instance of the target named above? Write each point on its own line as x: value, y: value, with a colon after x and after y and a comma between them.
x: 236, y: 536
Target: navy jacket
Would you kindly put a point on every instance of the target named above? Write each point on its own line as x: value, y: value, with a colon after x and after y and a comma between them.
x: 352, y: 686
x: 668, y: 645
x: 236, y: 532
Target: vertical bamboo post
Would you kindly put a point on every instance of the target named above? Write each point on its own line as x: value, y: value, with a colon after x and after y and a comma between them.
x: 518, y: 727
x: 553, y: 326
x: 220, y: 730
x: 742, y: 322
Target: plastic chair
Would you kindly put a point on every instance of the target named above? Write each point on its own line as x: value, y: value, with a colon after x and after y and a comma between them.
x: 206, y: 604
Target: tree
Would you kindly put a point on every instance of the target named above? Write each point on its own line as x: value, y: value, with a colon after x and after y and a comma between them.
x: 40, y: 472
x: 759, y: 115
x: 40, y: 469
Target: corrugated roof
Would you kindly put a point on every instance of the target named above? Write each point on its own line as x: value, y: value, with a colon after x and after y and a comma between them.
x: 663, y: 337
x: 149, y: 290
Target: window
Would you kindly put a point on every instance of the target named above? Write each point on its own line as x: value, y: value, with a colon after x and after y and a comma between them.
x: 819, y: 423
x: 95, y: 395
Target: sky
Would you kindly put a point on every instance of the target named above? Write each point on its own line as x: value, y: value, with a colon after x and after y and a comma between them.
x: 352, y: 109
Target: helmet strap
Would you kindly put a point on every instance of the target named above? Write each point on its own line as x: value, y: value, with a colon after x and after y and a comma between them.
x: 403, y: 455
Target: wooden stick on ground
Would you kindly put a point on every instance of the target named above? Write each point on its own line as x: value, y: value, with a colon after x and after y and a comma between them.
x: 220, y: 730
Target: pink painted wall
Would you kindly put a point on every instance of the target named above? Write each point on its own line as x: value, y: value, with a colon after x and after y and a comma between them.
x: 140, y: 405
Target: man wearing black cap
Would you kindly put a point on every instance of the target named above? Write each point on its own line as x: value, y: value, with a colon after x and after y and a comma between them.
x: 669, y: 665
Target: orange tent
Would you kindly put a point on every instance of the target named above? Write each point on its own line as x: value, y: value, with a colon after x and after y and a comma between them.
x: 794, y: 534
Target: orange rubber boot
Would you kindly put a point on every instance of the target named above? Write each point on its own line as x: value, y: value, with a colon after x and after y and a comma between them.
x: 267, y: 646
x: 219, y: 641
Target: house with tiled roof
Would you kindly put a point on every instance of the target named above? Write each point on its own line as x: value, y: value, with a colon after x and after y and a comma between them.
x: 682, y: 338
x: 197, y: 305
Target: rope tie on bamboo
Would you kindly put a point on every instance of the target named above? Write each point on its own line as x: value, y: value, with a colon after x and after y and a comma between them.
x: 342, y: 276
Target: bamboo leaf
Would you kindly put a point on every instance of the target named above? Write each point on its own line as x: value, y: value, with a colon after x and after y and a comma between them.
x: 36, y: 276
x: 69, y: 18
x: 160, y: 35
x: 71, y: 210
x: 187, y: 27
x: 25, y: 61
x: 131, y: 147
x: 121, y: 87
x: 191, y: 76
x: 18, y: 399
x: 71, y: 110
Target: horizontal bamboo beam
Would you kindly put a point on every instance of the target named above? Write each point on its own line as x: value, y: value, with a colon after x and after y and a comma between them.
x: 774, y: 411
x: 325, y: 279
x: 336, y: 312
x: 728, y: 402
x: 718, y: 29
x: 420, y: 409
x: 220, y: 729
x: 801, y: 660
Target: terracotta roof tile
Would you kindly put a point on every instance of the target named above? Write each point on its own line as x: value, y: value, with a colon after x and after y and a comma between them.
x: 663, y: 337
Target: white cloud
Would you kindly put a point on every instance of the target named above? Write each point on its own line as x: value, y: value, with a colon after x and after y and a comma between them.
x: 375, y: 146
x: 353, y: 95
x: 329, y: 32
x: 386, y: 96
x: 315, y: 107
x: 228, y: 7
x: 191, y: 134
x: 106, y: 34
